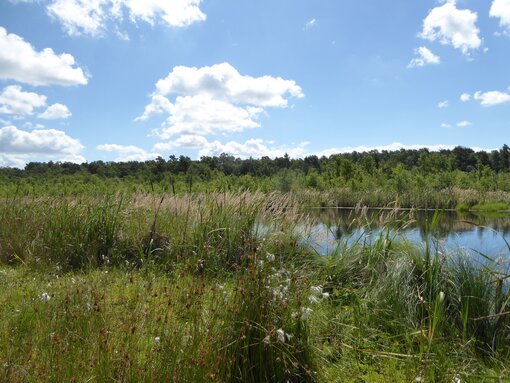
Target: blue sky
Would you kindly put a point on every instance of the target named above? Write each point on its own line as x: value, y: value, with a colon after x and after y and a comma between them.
x: 131, y: 80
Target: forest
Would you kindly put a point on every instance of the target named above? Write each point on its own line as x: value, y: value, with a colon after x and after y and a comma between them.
x: 455, y: 179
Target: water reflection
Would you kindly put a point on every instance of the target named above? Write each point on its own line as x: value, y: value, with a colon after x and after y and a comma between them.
x: 454, y: 231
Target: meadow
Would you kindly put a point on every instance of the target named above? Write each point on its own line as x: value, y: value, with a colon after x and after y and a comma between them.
x: 222, y: 287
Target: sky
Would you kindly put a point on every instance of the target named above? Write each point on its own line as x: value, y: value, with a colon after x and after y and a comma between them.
x: 112, y: 80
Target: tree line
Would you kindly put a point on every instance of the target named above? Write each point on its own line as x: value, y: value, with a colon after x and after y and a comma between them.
x: 344, y: 165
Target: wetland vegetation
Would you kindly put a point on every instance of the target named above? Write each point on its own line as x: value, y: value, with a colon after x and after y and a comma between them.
x: 134, y: 278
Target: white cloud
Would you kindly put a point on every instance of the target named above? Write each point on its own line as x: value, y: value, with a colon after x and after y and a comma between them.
x: 176, y: 13
x: 443, y: 104
x: 492, y: 98
x: 424, y: 57
x: 501, y: 9
x: 30, y: 125
x: 13, y: 100
x: 251, y: 148
x: 391, y: 148
x: 464, y: 124
x: 254, y: 147
x: 128, y: 152
x: 216, y: 100
x: 453, y: 26
x: 461, y: 124
x: 224, y: 82
x: 55, y: 112
x: 465, y: 97
x: 79, y: 16
x: 191, y: 141
x: 257, y: 148
x: 19, y: 61
x: 204, y: 115
x: 159, y: 104
x: 18, y: 146
x: 94, y: 17
x: 310, y: 24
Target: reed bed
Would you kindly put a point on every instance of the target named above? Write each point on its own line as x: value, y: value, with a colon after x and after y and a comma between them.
x: 219, y: 287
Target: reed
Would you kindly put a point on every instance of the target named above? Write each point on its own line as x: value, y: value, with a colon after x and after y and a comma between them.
x: 223, y: 286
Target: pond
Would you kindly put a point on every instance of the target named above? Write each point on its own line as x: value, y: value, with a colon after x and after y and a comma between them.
x: 455, y: 232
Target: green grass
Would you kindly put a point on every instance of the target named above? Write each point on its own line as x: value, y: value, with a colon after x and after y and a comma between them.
x: 491, y: 207
x: 219, y: 287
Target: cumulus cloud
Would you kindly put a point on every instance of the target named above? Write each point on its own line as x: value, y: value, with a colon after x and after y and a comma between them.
x: 224, y: 82
x: 95, y: 17
x: 251, y: 148
x: 13, y: 100
x: 452, y: 26
x: 254, y: 147
x: 190, y: 141
x: 492, y: 98
x: 501, y: 10
x: 19, y: 61
x: 423, y: 57
x: 443, y: 104
x: 257, y: 148
x: 128, y: 152
x: 55, y: 112
x: 79, y: 16
x: 464, y: 97
x: 215, y: 100
x: 464, y: 124
x: 18, y: 146
x: 30, y: 125
x: 206, y: 116
x: 390, y: 148
x: 159, y: 104
x: 461, y: 124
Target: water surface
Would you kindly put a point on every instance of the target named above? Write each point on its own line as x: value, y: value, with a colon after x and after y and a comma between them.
x: 466, y: 233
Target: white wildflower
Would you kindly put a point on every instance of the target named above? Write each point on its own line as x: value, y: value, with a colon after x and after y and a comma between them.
x: 305, y: 311
x: 45, y: 297
x: 280, y: 292
x: 280, y: 334
x: 325, y: 295
x: 270, y: 257
x: 317, y: 290
x: 441, y: 297
x: 267, y: 340
x: 157, y: 339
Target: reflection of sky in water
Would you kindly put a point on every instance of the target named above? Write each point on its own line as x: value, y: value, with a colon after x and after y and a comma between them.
x: 458, y: 238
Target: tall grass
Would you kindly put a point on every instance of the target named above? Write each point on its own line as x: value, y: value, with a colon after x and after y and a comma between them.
x: 439, y: 314
x: 215, y: 229
x: 223, y: 287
